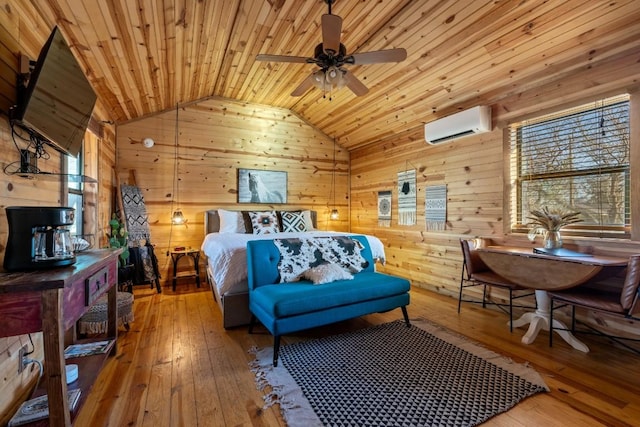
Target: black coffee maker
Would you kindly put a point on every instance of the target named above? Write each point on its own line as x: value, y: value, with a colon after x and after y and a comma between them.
x: 38, y: 237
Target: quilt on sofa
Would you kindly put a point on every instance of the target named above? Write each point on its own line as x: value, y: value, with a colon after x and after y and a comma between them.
x: 298, y: 255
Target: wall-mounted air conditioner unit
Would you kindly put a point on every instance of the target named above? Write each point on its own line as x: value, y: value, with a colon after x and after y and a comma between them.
x: 468, y: 122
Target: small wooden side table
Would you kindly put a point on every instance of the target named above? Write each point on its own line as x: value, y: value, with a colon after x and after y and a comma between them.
x: 194, y: 254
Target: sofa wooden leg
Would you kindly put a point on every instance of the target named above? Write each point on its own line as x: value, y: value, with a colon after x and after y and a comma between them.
x: 276, y: 349
x: 406, y: 315
x: 252, y: 322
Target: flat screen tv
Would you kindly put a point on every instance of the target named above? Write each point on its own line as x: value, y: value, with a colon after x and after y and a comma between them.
x: 58, y: 100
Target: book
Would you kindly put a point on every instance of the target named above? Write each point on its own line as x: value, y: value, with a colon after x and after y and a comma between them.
x: 87, y: 349
x: 38, y: 408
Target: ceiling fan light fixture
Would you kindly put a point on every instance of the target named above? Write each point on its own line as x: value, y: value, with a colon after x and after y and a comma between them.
x: 319, y: 80
x: 329, y: 78
x: 332, y: 74
x: 340, y: 81
x: 330, y: 55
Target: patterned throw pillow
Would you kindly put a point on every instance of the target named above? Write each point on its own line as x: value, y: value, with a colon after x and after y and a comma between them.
x: 264, y: 222
x: 293, y: 222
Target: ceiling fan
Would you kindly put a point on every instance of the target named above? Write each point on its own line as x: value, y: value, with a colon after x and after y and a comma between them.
x: 331, y: 56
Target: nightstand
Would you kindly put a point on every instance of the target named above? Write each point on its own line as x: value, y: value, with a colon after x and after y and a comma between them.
x: 194, y: 254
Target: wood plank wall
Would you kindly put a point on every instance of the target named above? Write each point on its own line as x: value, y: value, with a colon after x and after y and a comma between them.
x: 473, y: 170
x: 215, y: 137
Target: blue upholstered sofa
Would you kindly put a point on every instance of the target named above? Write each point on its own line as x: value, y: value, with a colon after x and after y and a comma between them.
x: 289, y: 307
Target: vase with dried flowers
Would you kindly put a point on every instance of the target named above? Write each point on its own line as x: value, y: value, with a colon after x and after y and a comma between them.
x: 548, y: 223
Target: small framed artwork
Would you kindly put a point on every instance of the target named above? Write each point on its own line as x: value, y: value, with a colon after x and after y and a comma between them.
x: 260, y: 186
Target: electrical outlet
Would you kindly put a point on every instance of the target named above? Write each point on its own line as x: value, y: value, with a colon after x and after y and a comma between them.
x: 21, y: 355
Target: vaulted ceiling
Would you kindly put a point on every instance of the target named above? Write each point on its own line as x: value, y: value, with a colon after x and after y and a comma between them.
x: 145, y: 56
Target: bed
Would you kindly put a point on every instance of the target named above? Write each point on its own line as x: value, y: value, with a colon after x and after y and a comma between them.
x: 224, y: 247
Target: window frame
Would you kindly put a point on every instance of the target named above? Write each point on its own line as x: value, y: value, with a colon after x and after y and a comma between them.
x: 517, y: 218
x: 75, y: 186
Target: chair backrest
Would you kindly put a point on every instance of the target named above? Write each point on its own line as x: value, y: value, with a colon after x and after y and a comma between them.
x: 472, y: 260
x: 629, y: 294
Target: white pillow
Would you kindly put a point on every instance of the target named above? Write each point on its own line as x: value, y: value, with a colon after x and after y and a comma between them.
x: 308, y: 222
x: 326, y: 273
x: 231, y: 222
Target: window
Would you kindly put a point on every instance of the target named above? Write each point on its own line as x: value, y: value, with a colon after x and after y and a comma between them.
x: 575, y: 160
x: 75, y: 187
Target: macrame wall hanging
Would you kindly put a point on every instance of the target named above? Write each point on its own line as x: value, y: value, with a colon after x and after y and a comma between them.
x: 407, y: 197
x: 435, y: 207
x: 384, y: 208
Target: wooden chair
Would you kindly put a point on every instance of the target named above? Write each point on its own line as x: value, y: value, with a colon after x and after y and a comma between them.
x: 616, y: 296
x: 476, y: 273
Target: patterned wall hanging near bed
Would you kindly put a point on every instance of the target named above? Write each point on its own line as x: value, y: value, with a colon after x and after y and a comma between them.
x: 384, y: 208
x: 435, y: 207
x: 258, y: 186
x: 407, y: 197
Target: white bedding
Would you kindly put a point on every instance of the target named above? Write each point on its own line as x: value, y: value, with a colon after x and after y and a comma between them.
x: 227, y: 255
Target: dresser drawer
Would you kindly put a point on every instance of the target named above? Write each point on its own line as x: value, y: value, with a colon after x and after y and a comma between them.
x: 96, y: 285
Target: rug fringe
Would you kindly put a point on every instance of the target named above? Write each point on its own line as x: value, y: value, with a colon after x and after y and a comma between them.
x: 294, y: 406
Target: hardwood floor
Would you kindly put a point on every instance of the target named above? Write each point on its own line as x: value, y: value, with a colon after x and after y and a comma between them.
x: 177, y: 366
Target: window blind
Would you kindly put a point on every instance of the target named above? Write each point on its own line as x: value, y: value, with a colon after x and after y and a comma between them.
x: 574, y: 160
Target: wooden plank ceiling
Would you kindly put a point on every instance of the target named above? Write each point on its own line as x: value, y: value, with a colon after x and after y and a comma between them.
x: 144, y: 56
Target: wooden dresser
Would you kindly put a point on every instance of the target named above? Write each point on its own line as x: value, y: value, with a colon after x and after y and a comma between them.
x: 52, y: 301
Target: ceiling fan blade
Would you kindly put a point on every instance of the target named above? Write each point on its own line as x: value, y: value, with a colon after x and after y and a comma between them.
x: 377, y: 56
x: 354, y: 84
x: 331, y: 30
x: 304, y: 86
x: 283, y: 58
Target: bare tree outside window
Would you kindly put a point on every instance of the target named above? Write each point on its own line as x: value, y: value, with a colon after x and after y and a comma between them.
x: 577, y: 161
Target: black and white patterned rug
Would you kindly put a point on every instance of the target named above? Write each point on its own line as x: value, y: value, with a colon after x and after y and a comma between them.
x: 391, y: 375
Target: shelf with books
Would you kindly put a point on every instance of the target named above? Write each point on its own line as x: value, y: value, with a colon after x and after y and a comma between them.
x: 37, y: 409
x: 89, y: 367
x: 87, y: 348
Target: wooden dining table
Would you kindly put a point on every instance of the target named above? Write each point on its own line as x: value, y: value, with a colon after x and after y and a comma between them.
x: 544, y: 272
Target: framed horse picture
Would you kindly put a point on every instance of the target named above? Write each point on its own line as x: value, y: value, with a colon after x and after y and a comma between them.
x: 260, y: 186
